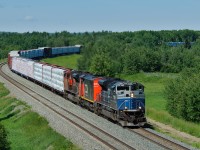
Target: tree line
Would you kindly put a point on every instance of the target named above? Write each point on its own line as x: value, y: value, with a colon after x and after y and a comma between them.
x: 183, y: 95
x: 125, y: 52
x: 131, y: 52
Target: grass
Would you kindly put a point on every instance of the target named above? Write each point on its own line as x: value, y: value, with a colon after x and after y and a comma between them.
x: 68, y: 61
x: 3, y: 60
x: 154, y: 87
x: 26, y: 129
x: 155, y: 100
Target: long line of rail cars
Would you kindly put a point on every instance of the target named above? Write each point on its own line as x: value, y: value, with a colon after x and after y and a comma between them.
x: 49, y: 52
x: 119, y: 100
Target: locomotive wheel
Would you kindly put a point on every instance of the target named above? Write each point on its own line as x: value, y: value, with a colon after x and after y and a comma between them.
x: 96, y: 111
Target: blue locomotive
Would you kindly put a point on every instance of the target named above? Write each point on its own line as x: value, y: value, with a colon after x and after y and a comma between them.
x: 122, y: 101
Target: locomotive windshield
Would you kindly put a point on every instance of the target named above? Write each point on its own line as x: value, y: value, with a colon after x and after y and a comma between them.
x: 123, y: 91
x: 124, y: 88
x: 137, y: 86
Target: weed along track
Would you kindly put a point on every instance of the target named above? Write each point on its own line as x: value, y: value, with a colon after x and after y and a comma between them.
x: 107, y: 139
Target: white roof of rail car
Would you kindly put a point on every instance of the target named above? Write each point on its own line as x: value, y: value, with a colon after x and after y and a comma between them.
x: 42, y: 47
x: 78, y: 45
x: 13, y: 53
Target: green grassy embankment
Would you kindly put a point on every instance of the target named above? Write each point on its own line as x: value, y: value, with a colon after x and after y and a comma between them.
x: 154, y: 90
x: 26, y: 129
x: 68, y: 61
x: 3, y: 60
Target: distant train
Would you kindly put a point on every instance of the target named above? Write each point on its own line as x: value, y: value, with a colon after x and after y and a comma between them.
x: 119, y: 100
x: 49, y: 52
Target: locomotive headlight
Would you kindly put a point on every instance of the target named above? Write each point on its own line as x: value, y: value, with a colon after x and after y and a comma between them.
x: 140, y: 107
x: 132, y: 95
x: 125, y: 108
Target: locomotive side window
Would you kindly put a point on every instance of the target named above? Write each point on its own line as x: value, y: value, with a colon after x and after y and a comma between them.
x: 123, y: 88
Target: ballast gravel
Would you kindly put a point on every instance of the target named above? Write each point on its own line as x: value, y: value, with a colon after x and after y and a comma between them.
x: 68, y: 130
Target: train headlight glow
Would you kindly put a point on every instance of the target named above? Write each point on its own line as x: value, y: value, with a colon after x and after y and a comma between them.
x: 132, y: 95
x: 126, y: 108
x: 140, y: 107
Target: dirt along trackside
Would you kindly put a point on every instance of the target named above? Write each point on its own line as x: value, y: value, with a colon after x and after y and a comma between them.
x: 168, y: 129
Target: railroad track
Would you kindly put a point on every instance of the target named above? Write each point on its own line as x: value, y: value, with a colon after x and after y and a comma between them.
x: 46, y: 102
x: 159, y: 140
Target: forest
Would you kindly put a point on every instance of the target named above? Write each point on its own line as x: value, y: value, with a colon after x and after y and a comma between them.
x: 125, y: 52
x: 112, y: 53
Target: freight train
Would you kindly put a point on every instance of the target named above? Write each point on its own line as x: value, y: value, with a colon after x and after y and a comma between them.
x: 119, y: 100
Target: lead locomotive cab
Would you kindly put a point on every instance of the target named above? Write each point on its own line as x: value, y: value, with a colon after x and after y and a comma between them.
x: 131, y: 108
x: 123, y: 101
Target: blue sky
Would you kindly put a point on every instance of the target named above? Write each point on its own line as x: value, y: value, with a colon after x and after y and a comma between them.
x: 98, y: 15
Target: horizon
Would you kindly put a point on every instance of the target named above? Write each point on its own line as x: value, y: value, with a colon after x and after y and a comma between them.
x: 95, y: 31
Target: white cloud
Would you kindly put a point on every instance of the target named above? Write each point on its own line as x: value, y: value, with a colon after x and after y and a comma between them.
x: 28, y: 18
